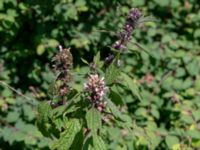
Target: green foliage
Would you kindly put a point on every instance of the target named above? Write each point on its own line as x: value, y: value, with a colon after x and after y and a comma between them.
x: 44, y: 111
x: 17, y: 123
x: 132, y: 86
x: 112, y: 73
x: 68, y: 136
x: 152, y: 104
x: 93, y: 118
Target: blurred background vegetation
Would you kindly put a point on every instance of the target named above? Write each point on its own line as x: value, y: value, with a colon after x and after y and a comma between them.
x: 168, y: 75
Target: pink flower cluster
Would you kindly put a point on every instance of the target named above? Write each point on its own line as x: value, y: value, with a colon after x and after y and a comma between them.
x: 96, y: 89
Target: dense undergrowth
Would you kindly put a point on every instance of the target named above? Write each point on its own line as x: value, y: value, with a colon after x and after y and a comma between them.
x: 157, y: 94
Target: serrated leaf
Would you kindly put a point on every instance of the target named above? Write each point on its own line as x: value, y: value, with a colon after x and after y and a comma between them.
x: 67, y: 137
x: 112, y: 73
x: 93, y: 118
x: 98, y: 143
x: 43, y: 117
x: 114, y: 109
x: 133, y: 86
x: 59, y: 123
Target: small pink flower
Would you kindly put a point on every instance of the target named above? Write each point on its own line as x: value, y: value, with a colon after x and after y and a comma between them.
x: 96, y: 88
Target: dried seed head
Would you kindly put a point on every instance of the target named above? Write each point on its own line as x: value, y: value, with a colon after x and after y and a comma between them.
x: 63, y: 60
x: 63, y: 63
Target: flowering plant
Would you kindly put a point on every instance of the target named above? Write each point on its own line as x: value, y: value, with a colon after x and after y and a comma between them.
x: 75, y: 118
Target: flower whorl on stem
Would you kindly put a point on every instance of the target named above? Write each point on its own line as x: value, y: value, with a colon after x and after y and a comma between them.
x: 96, y: 89
x: 129, y: 26
x: 126, y: 33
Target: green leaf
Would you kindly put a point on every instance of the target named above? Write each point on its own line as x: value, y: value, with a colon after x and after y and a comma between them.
x: 197, y: 33
x: 192, y: 67
x: 43, y: 118
x: 78, y: 141
x: 155, y: 113
x: 53, y: 90
x: 85, y: 61
x: 10, y: 100
x: 12, y: 117
x: 187, y: 119
x: 28, y: 112
x: 195, y: 134
x: 93, y: 118
x: 98, y: 143
x: 114, y: 109
x: 40, y: 49
x: 166, y: 38
x: 133, y: 86
x: 116, y: 98
x: 88, y: 143
x: 68, y: 136
x: 97, y: 58
x: 1, y: 5
x: 52, y: 43
x: 58, y: 111
x: 20, y: 136
x: 141, y: 112
x: 171, y: 140
x: 59, y: 123
x: 7, y: 134
x: 162, y: 3
x: 196, y: 144
x: 196, y: 114
x: 112, y: 73
x: 197, y: 84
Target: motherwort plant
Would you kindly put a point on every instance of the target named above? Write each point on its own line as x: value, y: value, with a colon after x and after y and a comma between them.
x: 81, y: 112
